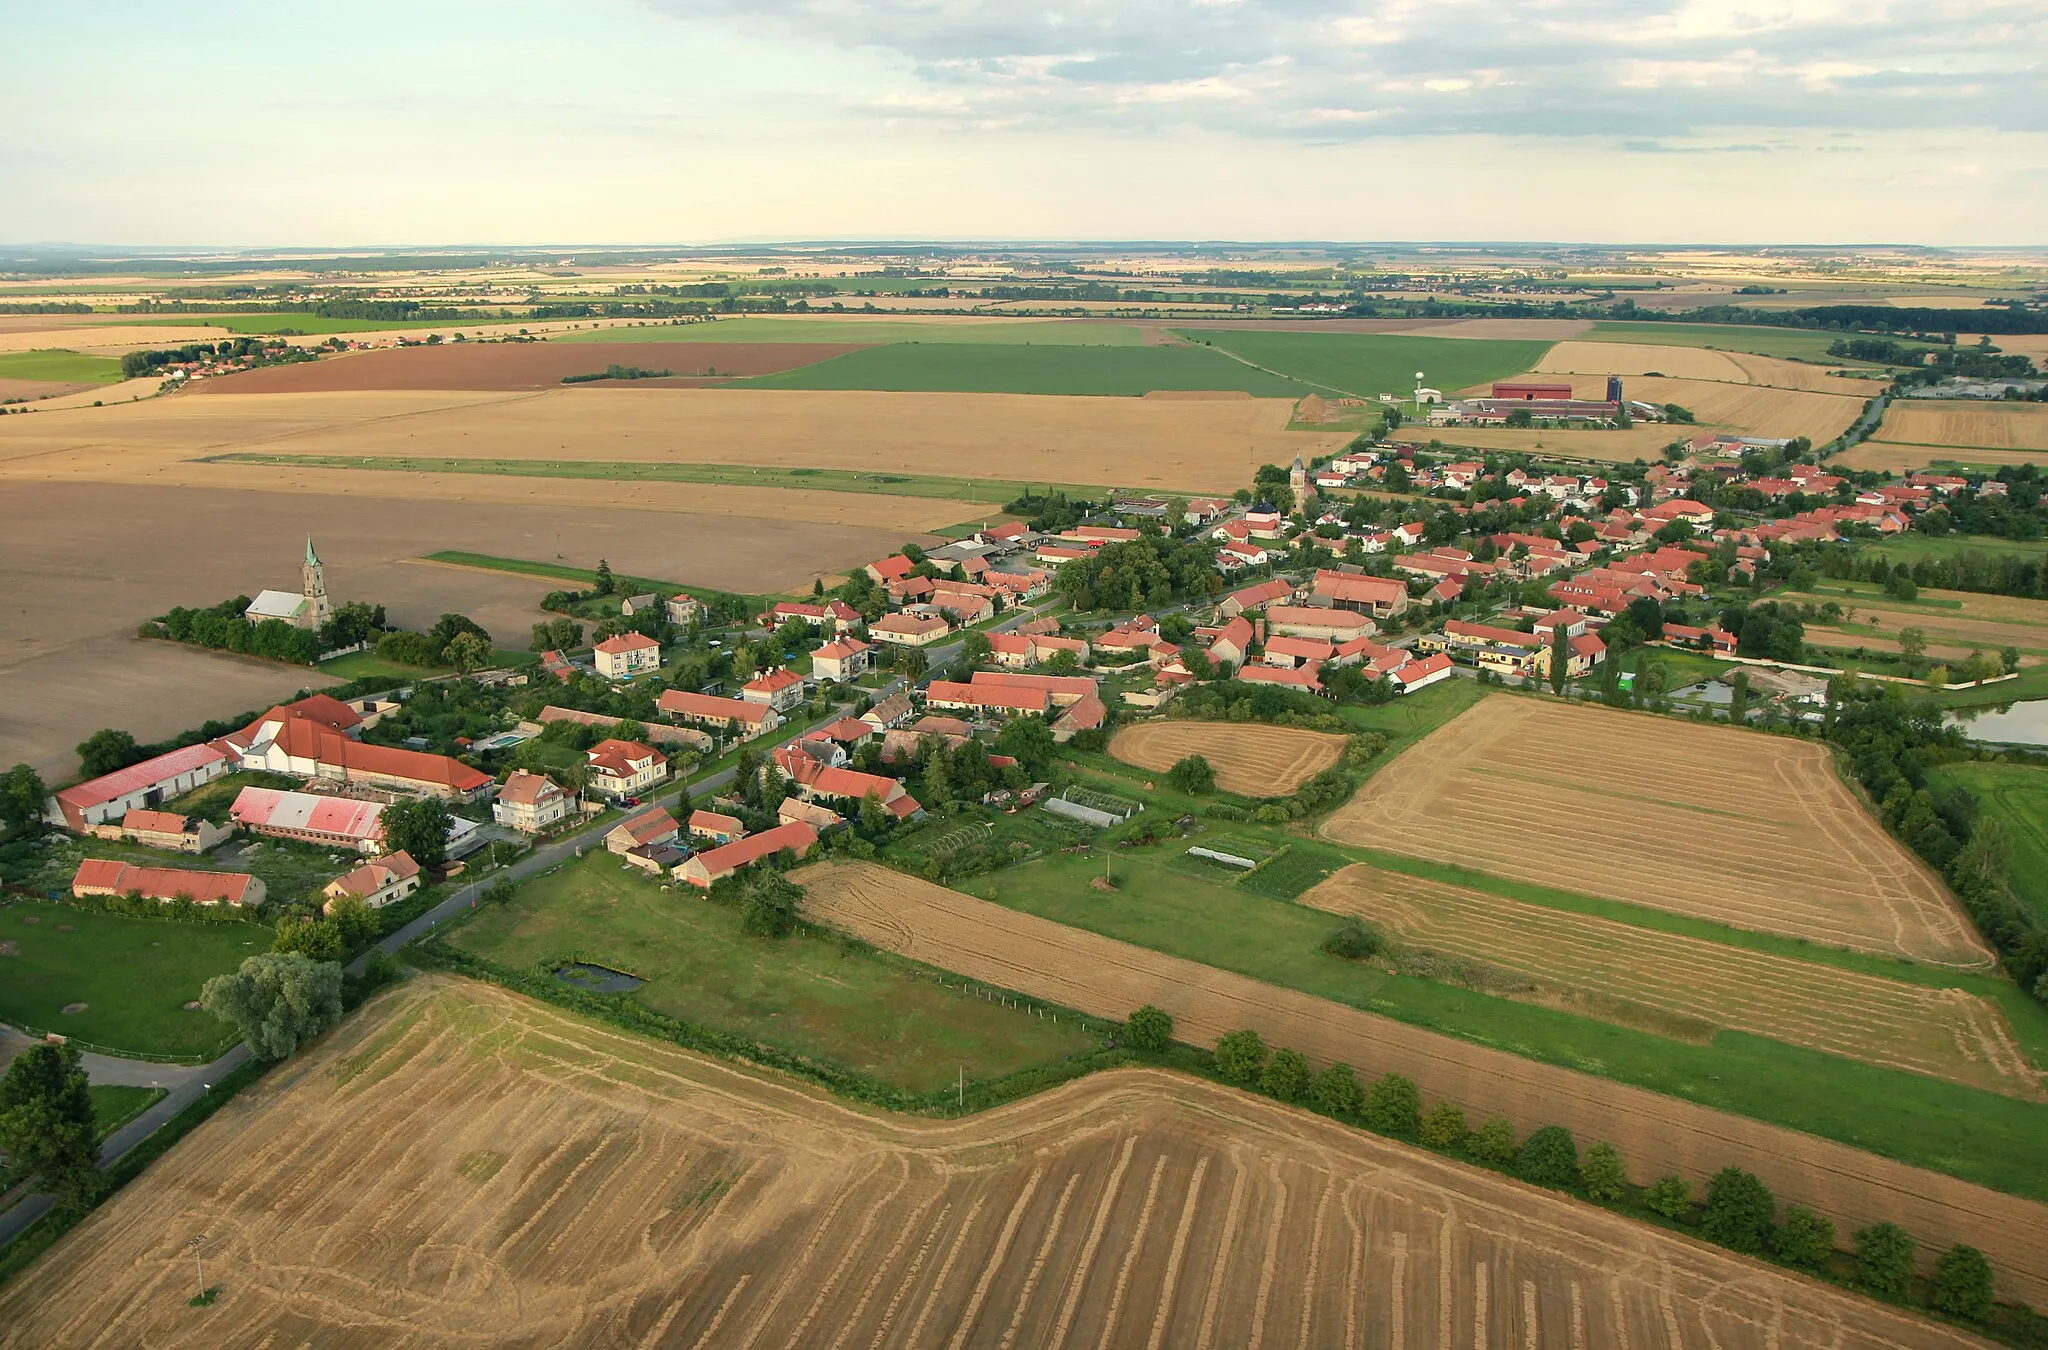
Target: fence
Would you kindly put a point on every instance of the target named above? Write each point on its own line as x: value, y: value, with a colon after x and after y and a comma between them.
x: 42, y: 1034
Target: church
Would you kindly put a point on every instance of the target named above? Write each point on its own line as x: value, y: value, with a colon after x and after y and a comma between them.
x: 309, y: 609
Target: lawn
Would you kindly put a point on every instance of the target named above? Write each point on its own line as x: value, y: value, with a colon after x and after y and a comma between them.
x: 1365, y: 365
x: 291, y: 872
x: 855, y: 329
x: 1796, y: 344
x: 812, y: 993
x: 134, y: 977
x: 114, y: 1106
x: 2016, y: 795
x: 1980, y: 1136
x: 58, y: 365
x: 992, y: 368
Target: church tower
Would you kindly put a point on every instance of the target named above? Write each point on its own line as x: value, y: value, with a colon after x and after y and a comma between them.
x: 313, y: 578
x: 1297, y: 480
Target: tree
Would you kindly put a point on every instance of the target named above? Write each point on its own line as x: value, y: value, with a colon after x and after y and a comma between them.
x: 1355, y: 940
x: 768, y: 908
x: 467, y: 653
x: 107, y: 750
x: 605, y: 584
x: 1028, y: 740
x: 1739, y: 1211
x: 1805, y: 1240
x: 278, y: 1002
x: 1149, y: 1029
x: 317, y: 939
x: 1494, y: 1141
x: 1285, y: 1076
x: 1912, y: 644
x: 1443, y: 1128
x: 1393, y: 1106
x: 1602, y: 1173
x: 1549, y: 1157
x: 1063, y: 662
x: 46, y: 1123
x: 21, y: 797
x: 1670, y: 1196
x: 418, y: 827
x: 1560, y: 658
x: 911, y: 662
x: 1962, y: 1284
x: 975, y: 649
x: 354, y: 920
x: 1335, y: 1092
x: 1239, y: 1057
x: 1192, y: 775
x: 1884, y: 1259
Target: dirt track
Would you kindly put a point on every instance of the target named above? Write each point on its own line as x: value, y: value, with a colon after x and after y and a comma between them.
x: 1251, y: 760
x: 524, y: 365
x: 1656, y: 1134
x: 1734, y: 826
x: 460, y: 1167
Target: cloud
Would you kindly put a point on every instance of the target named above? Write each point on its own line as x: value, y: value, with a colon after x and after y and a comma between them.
x: 1310, y: 69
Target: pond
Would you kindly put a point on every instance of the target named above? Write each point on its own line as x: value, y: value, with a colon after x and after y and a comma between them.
x: 597, y: 979
x: 2014, y: 724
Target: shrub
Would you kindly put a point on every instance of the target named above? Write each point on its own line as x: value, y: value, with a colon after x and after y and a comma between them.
x: 1149, y: 1029
x: 1962, y: 1284
x: 1443, y: 1128
x: 1239, y: 1057
x: 1806, y: 1240
x: 1192, y: 775
x: 1393, y: 1106
x: 1739, y: 1210
x: 1335, y: 1092
x: 1550, y: 1157
x: 1494, y: 1141
x: 1225, y: 811
x: 1602, y: 1173
x: 1670, y: 1196
x: 1355, y: 940
x: 1286, y: 1076
x: 1884, y: 1258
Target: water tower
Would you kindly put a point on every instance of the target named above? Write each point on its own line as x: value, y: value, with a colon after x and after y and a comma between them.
x: 1418, y: 394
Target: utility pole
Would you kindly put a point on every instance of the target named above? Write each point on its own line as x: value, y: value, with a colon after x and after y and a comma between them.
x: 963, y: 1087
x: 198, y: 1268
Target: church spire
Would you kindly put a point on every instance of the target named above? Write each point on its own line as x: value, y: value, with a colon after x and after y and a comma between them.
x: 312, y: 558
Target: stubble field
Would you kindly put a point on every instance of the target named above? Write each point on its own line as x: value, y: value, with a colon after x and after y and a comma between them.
x: 460, y: 1167
x: 1630, y: 974
x: 1250, y: 760
x: 522, y: 365
x: 1656, y: 1134
x: 1961, y: 424
x: 1748, y: 830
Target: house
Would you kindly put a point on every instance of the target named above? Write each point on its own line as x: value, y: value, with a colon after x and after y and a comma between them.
x: 1716, y: 639
x: 627, y: 656
x: 846, y: 731
x: 842, y: 660
x: 105, y: 876
x: 746, y: 717
x: 817, y: 780
x: 683, y: 610
x: 165, y: 830
x: 704, y: 869
x: 1030, y: 584
x: 310, y: 818
x: 795, y: 810
x: 649, y: 827
x: 895, y: 567
x: 964, y: 602
x: 530, y: 802
x: 1582, y: 653
x: 1573, y: 623
x: 1381, y: 597
x: 909, y: 630
x: 1303, y: 679
x: 624, y: 768
x: 987, y: 699
x: 1235, y: 557
x: 1083, y: 714
x: 778, y: 688
x: 1064, y: 690
x: 143, y: 787
x: 1254, y: 598
x: 1422, y: 673
x: 378, y: 882
x: 891, y: 711
x: 833, y: 616
x: 1505, y: 650
x: 638, y: 604
x: 1334, y: 625
x: 1698, y: 515
x: 1228, y: 644
x: 715, y: 829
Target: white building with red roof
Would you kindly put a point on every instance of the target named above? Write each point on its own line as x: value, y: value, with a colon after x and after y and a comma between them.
x: 747, y: 718
x: 843, y: 659
x: 314, y: 738
x: 310, y: 818
x: 713, y: 865
x: 531, y: 802
x: 627, y: 656
x: 105, y: 876
x: 779, y: 688
x: 624, y: 768
x: 377, y: 883
x: 143, y: 786
x: 1421, y: 673
x: 817, y: 780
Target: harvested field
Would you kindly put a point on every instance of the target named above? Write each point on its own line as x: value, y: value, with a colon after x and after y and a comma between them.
x: 102, y: 339
x: 1628, y: 971
x: 19, y: 391
x: 522, y: 365
x: 1843, y: 639
x: 1754, y: 410
x: 1656, y: 1134
x: 1989, y: 622
x: 582, y: 1187
x: 1499, y: 330
x: 1748, y: 830
x: 1599, y: 359
x: 1965, y: 424
x: 1886, y: 456
x: 1249, y: 759
x: 1644, y: 440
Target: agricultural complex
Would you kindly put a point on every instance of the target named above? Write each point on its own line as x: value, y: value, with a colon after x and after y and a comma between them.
x: 1252, y: 761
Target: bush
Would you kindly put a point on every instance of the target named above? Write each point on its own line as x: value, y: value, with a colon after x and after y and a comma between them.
x: 1550, y: 1157
x: 1355, y: 940
x: 1806, y: 1241
x: 1239, y: 1057
x: 1192, y: 775
x: 1393, y: 1106
x: 1443, y: 1128
x: 1225, y: 811
x: 1602, y: 1173
x: 1285, y: 1076
x: 1149, y: 1029
x: 1962, y: 1284
x: 1739, y: 1210
x: 1884, y: 1258
x: 1670, y: 1196
x: 1494, y: 1141
x: 1335, y: 1092
x: 768, y: 906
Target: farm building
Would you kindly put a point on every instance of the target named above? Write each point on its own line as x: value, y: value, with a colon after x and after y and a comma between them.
x: 715, y: 829
x: 530, y: 802
x: 1333, y: 625
x: 650, y: 827
x: 143, y: 787
x: 749, y: 719
x: 310, y: 818
x: 656, y: 733
x: 378, y: 882
x: 105, y: 876
x: 704, y: 869
x: 314, y: 738
x: 818, y: 781
x: 166, y: 830
x: 1381, y: 597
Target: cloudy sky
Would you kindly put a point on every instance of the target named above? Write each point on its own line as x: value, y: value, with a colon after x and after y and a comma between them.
x: 511, y: 121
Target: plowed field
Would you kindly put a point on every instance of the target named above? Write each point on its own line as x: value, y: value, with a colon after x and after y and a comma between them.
x: 1750, y: 830
x: 523, y: 365
x: 1656, y: 1134
x: 459, y: 1167
x: 1944, y: 1032
x: 1249, y: 759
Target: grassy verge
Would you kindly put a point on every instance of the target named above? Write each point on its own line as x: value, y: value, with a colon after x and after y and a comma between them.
x: 114, y: 1106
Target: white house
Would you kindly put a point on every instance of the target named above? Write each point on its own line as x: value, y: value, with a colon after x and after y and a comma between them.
x: 530, y: 802
x: 378, y: 882
x: 845, y: 659
x: 627, y: 655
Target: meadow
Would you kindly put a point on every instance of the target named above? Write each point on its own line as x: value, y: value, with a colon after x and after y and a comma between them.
x: 1366, y: 365
x: 57, y: 366
x: 990, y: 368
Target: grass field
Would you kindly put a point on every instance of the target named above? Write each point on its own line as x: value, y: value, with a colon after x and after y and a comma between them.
x: 807, y: 993
x: 1002, y: 332
x: 134, y: 976
x: 990, y: 368
x: 2015, y: 795
x: 1365, y: 365
x: 1911, y: 546
x: 56, y: 365
x: 1797, y: 344
x: 1958, y: 618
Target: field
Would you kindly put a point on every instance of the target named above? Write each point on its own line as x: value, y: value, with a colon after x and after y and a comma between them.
x: 519, y: 365
x: 1599, y: 359
x: 59, y: 367
x: 1249, y: 759
x: 990, y: 368
x: 1749, y: 830
x: 134, y: 976
x: 1367, y: 365
x: 1687, y: 987
x: 1960, y: 618
x: 2016, y: 796
x: 583, y: 1188
x: 1965, y: 425
x: 1655, y: 1133
x: 865, y: 330
x: 1788, y: 343
x: 806, y: 994
x: 1644, y: 440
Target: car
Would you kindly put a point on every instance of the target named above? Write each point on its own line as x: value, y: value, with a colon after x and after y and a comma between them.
x: 717, y: 642
x: 632, y: 801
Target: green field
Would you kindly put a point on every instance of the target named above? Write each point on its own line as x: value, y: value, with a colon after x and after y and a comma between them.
x: 134, y: 977
x: 2016, y: 795
x: 993, y: 368
x: 810, y: 993
x: 1366, y: 365
x: 296, y: 322
x: 1981, y: 1136
x: 57, y: 365
x: 1796, y: 344
x: 580, y: 576
x: 1912, y: 546
x: 1003, y: 332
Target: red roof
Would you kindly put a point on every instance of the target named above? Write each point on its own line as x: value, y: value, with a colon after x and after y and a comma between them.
x: 154, y: 822
x: 988, y: 696
x: 314, y: 813
x: 774, y: 681
x: 649, y: 826
x: 160, y: 883
x: 412, y: 766
x: 1080, y: 685
x: 524, y: 788
x: 678, y: 703
x: 626, y: 642
x: 711, y: 822
x: 1301, y: 678
x: 140, y: 777
x: 618, y: 757
x: 740, y: 852
x: 376, y: 874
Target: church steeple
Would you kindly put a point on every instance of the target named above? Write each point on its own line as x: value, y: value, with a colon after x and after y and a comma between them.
x: 313, y: 579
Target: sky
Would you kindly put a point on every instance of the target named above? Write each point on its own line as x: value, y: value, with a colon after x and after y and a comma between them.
x: 245, y: 123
